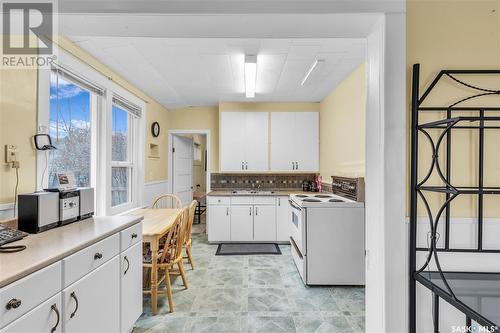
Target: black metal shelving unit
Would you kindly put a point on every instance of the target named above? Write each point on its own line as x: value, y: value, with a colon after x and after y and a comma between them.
x: 475, y: 294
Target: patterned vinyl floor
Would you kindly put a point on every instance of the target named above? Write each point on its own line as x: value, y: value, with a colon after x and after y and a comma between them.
x: 252, y: 294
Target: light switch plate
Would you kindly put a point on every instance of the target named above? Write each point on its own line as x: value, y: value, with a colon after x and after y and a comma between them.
x: 10, y: 153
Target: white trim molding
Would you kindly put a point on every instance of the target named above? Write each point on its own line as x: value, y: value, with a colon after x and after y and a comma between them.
x: 153, y: 190
x: 7, y: 211
x: 101, y: 134
x: 205, y: 132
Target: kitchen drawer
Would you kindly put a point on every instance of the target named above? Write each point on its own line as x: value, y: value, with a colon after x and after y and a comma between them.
x: 83, y: 262
x: 29, y: 292
x: 242, y: 200
x: 299, y: 260
x: 219, y: 201
x: 130, y: 236
x: 264, y: 200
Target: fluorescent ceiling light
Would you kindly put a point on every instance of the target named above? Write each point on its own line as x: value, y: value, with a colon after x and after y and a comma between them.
x: 250, y: 75
x: 311, y: 69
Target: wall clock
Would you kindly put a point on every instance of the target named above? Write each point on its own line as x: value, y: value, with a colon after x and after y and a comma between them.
x: 155, y: 129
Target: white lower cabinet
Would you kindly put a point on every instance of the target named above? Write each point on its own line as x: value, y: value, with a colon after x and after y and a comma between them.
x: 248, y: 219
x: 92, y: 304
x: 282, y: 219
x: 131, y: 277
x: 264, y: 223
x: 219, y: 223
x: 242, y: 223
x: 77, y: 294
x: 44, y: 318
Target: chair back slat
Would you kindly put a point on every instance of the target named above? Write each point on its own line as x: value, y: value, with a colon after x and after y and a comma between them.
x: 167, y: 201
x: 192, y: 210
x: 174, y: 239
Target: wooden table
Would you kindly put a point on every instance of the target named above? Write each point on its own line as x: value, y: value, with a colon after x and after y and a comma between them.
x: 156, y: 223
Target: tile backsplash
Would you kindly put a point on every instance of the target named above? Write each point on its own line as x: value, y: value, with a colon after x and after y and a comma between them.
x: 225, y: 181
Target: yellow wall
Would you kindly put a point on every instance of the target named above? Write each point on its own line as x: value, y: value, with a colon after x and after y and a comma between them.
x: 199, y: 118
x: 342, y: 128
x: 17, y: 126
x: 18, y: 98
x: 456, y: 35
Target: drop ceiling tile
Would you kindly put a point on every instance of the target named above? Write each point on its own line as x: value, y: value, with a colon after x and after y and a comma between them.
x: 180, y: 72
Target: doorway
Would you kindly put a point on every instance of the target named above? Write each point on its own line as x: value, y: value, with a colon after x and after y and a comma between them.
x: 189, y: 164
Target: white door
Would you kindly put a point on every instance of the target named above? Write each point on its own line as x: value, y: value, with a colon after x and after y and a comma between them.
x: 219, y: 223
x: 282, y: 219
x: 241, y: 223
x: 43, y: 318
x: 256, y: 141
x: 232, y: 141
x: 282, y: 141
x: 264, y: 223
x: 307, y: 141
x: 183, y: 168
x: 131, y: 286
x: 94, y: 301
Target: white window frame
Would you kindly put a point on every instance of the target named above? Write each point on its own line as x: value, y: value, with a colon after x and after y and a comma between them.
x: 101, y: 134
x: 135, y: 156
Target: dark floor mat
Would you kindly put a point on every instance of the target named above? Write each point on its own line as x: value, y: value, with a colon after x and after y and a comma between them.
x: 234, y: 249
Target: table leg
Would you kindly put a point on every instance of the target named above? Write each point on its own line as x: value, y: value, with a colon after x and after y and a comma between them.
x: 154, y: 276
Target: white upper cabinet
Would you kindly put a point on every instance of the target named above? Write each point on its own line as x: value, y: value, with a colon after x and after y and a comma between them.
x: 295, y: 141
x: 282, y: 138
x: 244, y: 141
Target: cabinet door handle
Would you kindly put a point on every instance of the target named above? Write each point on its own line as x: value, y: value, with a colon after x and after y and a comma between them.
x: 13, y: 304
x: 256, y: 211
x: 73, y: 295
x: 128, y: 265
x: 54, y: 308
x: 227, y: 211
x: 242, y: 167
x: 246, y: 165
x: 279, y: 201
x: 134, y: 235
x: 296, y: 165
x: 293, y: 166
x: 250, y: 211
x: 97, y: 256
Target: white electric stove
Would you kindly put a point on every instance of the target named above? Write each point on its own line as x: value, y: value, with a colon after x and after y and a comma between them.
x: 327, y: 234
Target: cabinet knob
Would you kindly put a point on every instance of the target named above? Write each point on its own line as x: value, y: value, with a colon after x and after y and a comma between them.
x: 13, y: 304
x: 134, y: 235
x: 97, y: 256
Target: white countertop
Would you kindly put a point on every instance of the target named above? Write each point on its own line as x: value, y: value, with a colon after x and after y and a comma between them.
x: 48, y: 247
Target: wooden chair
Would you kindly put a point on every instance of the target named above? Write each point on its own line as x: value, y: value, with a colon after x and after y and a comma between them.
x: 170, y: 255
x: 188, y: 241
x: 167, y: 201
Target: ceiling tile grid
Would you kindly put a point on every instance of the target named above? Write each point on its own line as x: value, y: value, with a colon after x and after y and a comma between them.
x: 205, y: 71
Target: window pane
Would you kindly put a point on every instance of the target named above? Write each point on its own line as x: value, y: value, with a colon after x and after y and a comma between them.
x: 70, y: 130
x: 119, y: 186
x: 120, y: 125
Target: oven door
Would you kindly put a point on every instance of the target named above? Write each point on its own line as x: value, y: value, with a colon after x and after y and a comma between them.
x: 297, y: 226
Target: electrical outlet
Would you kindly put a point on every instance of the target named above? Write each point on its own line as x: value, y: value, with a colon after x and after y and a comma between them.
x: 10, y: 153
